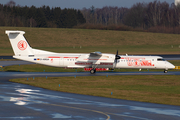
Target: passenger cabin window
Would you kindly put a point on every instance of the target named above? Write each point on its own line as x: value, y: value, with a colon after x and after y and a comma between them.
x: 160, y: 59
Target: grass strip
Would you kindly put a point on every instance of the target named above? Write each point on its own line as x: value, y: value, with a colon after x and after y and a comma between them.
x: 63, y: 40
x: 162, y: 89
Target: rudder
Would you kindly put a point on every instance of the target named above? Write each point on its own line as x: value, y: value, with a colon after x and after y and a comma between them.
x: 19, y: 44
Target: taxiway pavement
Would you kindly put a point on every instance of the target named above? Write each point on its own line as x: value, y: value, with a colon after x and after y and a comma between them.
x: 17, y: 62
x: 18, y: 101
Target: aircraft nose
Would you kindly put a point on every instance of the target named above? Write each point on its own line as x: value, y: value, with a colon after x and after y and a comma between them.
x: 170, y: 66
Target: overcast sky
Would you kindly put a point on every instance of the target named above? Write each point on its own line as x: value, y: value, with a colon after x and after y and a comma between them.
x: 79, y: 4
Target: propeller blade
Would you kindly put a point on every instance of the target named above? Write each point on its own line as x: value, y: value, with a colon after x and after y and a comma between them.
x: 117, y: 57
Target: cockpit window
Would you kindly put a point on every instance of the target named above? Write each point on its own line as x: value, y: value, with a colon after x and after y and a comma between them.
x: 160, y: 59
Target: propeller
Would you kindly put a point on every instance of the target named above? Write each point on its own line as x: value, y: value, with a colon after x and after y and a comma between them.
x: 117, y: 57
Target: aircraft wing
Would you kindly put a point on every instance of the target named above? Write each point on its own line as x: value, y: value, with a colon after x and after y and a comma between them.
x: 92, y: 57
x: 96, y: 58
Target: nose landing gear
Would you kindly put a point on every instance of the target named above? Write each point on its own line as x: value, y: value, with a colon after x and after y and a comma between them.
x: 165, y: 71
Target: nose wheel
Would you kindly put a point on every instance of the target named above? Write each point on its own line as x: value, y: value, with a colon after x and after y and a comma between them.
x: 165, y: 71
x: 92, y: 71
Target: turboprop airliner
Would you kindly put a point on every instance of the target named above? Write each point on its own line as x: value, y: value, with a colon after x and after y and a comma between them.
x: 93, y: 60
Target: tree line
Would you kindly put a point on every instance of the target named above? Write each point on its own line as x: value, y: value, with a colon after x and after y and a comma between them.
x: 12, y: 15
x: 154, y: 16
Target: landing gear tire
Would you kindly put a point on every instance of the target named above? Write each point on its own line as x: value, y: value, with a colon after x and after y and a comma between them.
x: 165, y: 71
x: 92, y: 71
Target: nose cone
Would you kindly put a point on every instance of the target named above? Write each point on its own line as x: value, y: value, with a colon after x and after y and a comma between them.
x: 170, y: 66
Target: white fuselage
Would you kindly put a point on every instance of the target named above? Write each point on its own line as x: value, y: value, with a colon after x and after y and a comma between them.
x: 71, y: 60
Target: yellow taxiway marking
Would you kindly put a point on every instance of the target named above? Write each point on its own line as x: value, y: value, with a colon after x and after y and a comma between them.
x: 108, y: 117
x: 177, y: 67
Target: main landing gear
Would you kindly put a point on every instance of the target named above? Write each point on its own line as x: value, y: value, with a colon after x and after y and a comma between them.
x: 92, y: 71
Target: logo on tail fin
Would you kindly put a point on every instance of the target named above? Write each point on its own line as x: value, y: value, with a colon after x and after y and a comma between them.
x: 22, y: 45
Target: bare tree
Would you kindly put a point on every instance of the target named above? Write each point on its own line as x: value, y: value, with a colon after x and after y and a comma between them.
x: 11, y: 3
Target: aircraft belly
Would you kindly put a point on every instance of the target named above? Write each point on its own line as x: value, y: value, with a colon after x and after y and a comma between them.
x: 90, y: 64
x: 105, y: 66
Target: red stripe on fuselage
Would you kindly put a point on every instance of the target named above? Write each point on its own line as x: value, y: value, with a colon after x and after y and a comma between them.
x: 61, y: 57
x: 70, y: 57
x: 54, y: 57
x: 95, y: 59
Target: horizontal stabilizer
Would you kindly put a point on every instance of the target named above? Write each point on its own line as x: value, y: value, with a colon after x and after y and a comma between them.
x: 14, y: 32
